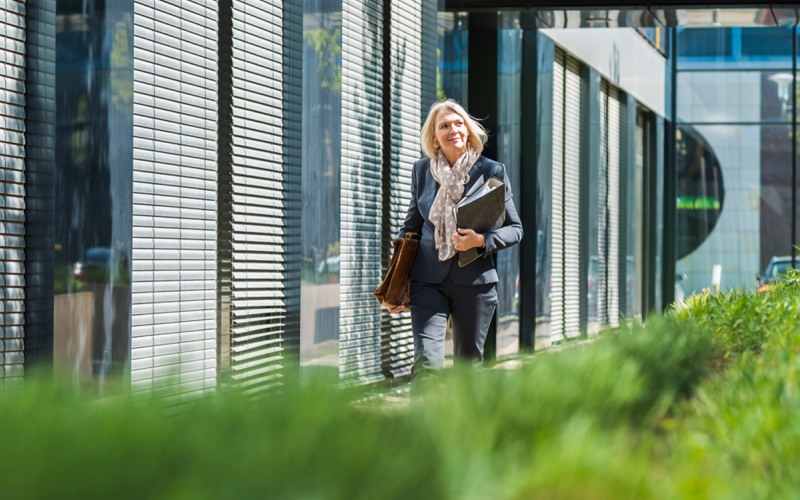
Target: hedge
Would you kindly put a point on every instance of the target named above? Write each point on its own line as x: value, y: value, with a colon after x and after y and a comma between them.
x: 700, y: 403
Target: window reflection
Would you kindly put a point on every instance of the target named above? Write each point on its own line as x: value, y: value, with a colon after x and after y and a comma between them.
x: 733, y: 155
x: 322, y: 139
x: 452, y: 55
x: 740, y: 216
x: 93, y: 189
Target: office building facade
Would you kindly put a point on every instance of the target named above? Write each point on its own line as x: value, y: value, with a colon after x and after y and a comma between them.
x: 203, y: 194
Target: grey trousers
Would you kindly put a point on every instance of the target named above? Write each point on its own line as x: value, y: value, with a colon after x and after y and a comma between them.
x: 471, y: 308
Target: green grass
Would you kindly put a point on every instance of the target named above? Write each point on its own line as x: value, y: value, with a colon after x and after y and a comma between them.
x: 702, y: 403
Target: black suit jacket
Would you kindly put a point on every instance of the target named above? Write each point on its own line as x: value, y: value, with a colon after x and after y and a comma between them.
x: 427, y: 266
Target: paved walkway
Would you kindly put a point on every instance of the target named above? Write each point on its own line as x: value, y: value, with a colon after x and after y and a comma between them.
x: 399, y: 398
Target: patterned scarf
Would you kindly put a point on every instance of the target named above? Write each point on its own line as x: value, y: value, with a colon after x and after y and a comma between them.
x: 451, y: 182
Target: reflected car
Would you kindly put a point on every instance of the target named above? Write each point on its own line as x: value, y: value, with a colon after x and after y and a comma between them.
x: 96, y: 265
x: 330, y: 265
x: 777, y: 266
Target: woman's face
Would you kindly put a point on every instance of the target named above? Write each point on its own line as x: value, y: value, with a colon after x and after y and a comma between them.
x: 451, y: 133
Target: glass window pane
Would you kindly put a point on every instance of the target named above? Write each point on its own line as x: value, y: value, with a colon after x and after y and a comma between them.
x: 321, y: 175
x: 451, y: 57
x: 734, y: 203
x: 766, y: 42
x: 756, y: 48
x: 734, y: 96
x: 705, y: 42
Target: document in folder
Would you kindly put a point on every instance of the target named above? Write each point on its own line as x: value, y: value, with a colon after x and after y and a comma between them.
x: 483, y: 210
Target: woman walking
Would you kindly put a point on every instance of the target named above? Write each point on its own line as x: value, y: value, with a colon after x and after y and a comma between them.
x: 453, y: 142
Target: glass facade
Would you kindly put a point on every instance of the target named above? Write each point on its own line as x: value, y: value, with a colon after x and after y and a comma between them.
x: 206, y: 194
x: 734, y: 155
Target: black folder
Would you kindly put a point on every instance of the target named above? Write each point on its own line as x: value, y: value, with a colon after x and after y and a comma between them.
x: 483, y: 210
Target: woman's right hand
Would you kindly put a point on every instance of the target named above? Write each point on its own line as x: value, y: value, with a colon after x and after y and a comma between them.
x: 395, y: 309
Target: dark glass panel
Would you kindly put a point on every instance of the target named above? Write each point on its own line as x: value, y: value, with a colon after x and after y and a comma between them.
x: 509, y: 81
x: 705, y: 42
x: 767, y: 42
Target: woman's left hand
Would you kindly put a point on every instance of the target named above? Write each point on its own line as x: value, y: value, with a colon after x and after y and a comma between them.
x: 464, y: 239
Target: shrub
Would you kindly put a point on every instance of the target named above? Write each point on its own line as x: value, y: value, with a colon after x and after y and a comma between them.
x: 309, y: 444
x: 743, y: 321
x: 631, y: 414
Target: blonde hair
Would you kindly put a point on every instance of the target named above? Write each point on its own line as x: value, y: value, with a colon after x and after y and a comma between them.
x: 477, y: 134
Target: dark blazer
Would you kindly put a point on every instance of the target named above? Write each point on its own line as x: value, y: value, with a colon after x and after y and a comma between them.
x: 427, y: 266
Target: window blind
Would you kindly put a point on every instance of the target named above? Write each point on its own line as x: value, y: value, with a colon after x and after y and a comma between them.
x: 572, y: 145
x: 259, y: 186
x: 361, y: 192
x: 12, y: 196
x: 406, y: 87
x: 174, y: 198
x: 601, y: 285
x: 614, y: 240
x: 557, y: 240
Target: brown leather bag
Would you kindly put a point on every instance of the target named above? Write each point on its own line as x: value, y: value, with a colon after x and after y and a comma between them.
x: 395, y: 289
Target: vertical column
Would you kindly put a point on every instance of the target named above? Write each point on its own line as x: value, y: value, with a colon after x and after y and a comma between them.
x: 482, y: 91
x: 429, y: 40
x: 361, y: 191
x: 592, y: 202
x: 259, y: 185
x: 174, y: 198
x: 614, y: 222
x: 12, y: 183
x: 557, y: 327
x: 660, y: 280
x: 40, y: 109
x: 670, y: 189
x: 601, y: 281
x: 482, y: 102
x: 626, y: 218
x: 630, y: 193
x: 572, y: 202
x: 529, y: 124
x: 292, y: 154
x: 509, y: 149
x: 536, y: 201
